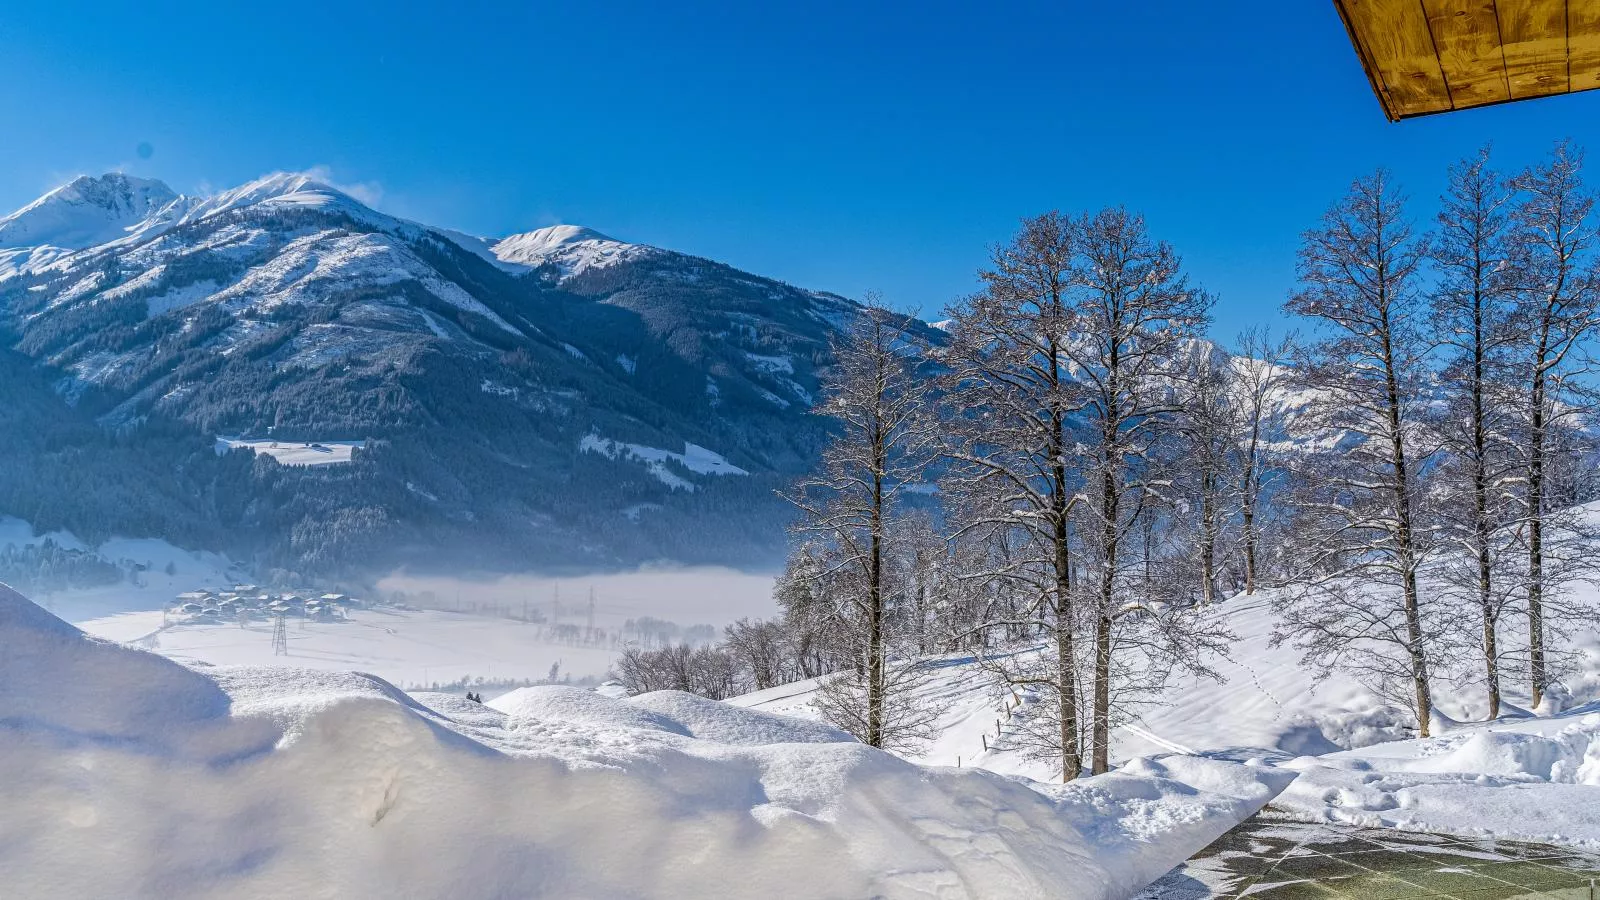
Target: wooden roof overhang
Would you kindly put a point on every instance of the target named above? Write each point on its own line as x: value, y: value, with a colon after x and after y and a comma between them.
x: 1433, y: 56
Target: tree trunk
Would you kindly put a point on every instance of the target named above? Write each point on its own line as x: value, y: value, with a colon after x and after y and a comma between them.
x: 1252, y: 486
x: 1102, y: 632
x: 1481, y: 525
x: 1249, y: 551
x: 1208, y: 539
x: 1102, y: 696
x: 1536, y: 661
x: 1404, y: 541
x: 1066, y: 659
x: 1067, y: 687
x: 875, y: 648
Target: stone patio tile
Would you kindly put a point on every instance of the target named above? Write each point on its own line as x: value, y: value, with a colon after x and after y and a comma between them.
x: 1452, y: 879
x: 1376, y: 887
x: 1294, y: 890
x: 1316, y: 866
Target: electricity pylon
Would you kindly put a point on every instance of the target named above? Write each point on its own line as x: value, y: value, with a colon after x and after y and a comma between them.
x: 280, y: 636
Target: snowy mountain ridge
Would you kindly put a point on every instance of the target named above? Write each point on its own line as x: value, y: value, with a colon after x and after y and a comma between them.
x: 85, y: 212
x: 91, y: 211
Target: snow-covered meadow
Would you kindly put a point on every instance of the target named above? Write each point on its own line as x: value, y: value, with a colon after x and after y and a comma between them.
x: 1533, y: 779
x: 1521, y: 777
x: 295, y: 453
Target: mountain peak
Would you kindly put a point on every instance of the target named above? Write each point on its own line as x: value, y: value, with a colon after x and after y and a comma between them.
x: 546, y: 240
x: 570, y: 248
x: 86, y: 211
x: 295, y: 189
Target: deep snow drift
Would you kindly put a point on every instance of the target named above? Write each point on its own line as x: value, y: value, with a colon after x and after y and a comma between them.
x: 126, y: 774
x: 1535, y: 779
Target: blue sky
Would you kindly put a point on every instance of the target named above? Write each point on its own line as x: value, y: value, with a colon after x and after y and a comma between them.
x: 831, y: 146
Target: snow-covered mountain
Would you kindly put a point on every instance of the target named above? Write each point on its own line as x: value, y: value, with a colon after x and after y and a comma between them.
x: 481, y: 375
x: 85, y: 212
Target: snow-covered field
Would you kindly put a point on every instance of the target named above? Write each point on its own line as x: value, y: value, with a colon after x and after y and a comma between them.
x: 1522, y: 777
x: 296, y: 453
x: 694, y: 458
x: 123, y: 773
x: 157, y: 571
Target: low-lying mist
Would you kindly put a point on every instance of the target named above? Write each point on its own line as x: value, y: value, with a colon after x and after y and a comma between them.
x: 689, y: 596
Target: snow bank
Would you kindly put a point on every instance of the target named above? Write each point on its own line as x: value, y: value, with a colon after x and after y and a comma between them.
x: 113, y: 694
x: 1536, y: 780
x: 126, y: 774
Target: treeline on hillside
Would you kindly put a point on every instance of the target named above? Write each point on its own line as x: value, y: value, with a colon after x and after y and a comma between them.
x: 46, y: 567
x: 456, y: 494
x: 1403, y: 479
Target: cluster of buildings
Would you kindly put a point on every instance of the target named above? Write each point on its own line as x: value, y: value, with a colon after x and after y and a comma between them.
x: 244, y: 602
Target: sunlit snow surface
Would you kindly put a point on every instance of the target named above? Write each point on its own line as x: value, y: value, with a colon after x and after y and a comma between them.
x: 1518, y: 778
x: 1535, y: 779
x: 123, y: 773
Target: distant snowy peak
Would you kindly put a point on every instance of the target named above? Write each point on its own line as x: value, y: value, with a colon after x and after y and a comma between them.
x: 85, y: 212
x: 280, y: 189
x: 537, y: 244
x: 570, y: 248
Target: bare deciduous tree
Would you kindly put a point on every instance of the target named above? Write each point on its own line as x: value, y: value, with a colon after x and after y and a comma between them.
x: 879, y: 448
x: 1134, y: 313
x: 1262, y: 369
x: 1470, y: 304
x: 1009, y: 399
x: 1557, y: 306
x: 762, y: 649
x: 1357, y: 502
x: 1208, y: 464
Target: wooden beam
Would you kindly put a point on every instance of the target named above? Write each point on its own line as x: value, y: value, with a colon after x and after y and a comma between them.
x: 1395, y: 38
x: 1467, y: 38
x: 1432, y: 56
x: 1368, y: 66
x: 1533, y: 35
x: 1583, y: 44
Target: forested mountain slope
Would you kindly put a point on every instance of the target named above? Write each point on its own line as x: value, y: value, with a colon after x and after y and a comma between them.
x: 553, y: 399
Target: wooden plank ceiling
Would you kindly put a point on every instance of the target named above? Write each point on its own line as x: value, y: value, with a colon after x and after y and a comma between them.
x: 1432, y: 56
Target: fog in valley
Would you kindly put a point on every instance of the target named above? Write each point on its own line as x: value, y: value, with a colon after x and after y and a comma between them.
x: 687, y: 596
